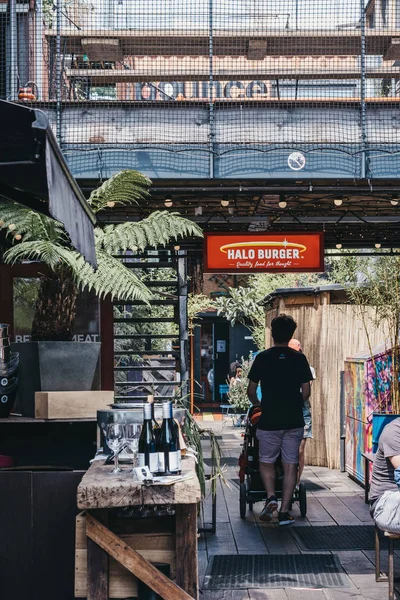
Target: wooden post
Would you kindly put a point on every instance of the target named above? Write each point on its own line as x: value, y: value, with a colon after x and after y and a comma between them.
x: 107, y: 344
x: 97, y: 564
x: 191, y: 373
x: 183, y: 323
x: 186, y: 548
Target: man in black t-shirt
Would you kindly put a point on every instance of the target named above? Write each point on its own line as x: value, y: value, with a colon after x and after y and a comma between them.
x: 285, y: 377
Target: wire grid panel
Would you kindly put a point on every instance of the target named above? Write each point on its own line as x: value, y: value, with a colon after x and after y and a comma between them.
x: 131, y: 82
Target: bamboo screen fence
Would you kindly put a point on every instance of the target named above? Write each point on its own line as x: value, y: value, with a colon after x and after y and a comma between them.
x: 329, y: 333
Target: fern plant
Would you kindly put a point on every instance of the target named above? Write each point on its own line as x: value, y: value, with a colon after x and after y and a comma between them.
x: 45, y: 240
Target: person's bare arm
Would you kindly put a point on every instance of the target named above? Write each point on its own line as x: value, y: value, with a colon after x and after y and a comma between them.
x: 395, y: 460
x: 252, y: 393
x: 306, y: 390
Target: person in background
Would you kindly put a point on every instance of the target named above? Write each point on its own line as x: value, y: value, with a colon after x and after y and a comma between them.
x: 295, y: 345
x: 282, y: 372
x: 384, y: 495
x: 210, y: 379
x: 235, y: 372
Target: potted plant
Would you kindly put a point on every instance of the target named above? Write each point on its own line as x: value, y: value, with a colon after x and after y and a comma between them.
x: 52, y: 359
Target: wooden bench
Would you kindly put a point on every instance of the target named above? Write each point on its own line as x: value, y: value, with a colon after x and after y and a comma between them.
x: 391, y: 537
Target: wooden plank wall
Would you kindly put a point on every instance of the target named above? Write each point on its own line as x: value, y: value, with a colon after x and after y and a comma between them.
x: 329, y: 334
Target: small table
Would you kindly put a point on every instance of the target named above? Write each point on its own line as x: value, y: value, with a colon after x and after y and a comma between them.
x: 99, y: 492
x: 369, y: 457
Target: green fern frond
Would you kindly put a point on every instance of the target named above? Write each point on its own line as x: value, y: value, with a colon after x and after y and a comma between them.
x: 111, y: 277
x: 53, y: 255
x: 29, y: 223
x: 124, y: 188
x: 158, y: 229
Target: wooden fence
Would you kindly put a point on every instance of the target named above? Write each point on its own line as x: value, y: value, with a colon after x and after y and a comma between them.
x: 329, y: 333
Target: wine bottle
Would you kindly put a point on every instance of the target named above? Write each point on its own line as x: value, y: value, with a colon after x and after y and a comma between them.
x: 148, y: 456
x: 155, y: 425
x: 169, y: 453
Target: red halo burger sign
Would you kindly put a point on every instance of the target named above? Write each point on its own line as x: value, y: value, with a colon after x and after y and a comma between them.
x: 274, y: 252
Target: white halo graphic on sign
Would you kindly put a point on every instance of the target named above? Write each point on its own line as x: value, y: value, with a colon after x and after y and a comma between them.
x: 296, y: 161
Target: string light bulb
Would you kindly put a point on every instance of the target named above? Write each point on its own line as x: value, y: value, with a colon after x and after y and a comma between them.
x: 11, y: 227
x: 338, y: 202
x: 168, y: 202
x: 339, y: 246
x: 18, y: 237
x: 378, y: 245
x: 282, y: 204
x: 111, y: 204
x: 224, y: 202
x: 394, y: 201
x: 177, y: 248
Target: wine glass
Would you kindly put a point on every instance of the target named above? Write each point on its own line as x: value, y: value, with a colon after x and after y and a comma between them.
x: 115, y: 437
x: 132, y: 435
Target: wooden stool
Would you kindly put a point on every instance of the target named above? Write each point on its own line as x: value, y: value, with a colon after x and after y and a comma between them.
x: 378, y: 577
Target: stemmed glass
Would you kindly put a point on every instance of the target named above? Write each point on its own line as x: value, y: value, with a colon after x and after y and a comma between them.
x: 132, y: 435
x: 115, y: 438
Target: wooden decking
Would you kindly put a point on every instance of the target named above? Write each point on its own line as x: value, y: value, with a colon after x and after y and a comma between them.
x: 339, y: 501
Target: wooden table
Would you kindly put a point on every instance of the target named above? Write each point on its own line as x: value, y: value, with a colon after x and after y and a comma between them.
x: 100, y: 493
x: 368, y: 457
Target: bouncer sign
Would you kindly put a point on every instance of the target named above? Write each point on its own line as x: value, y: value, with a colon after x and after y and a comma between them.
x: 277, y: 252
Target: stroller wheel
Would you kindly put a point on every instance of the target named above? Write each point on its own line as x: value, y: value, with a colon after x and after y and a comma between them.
x: 303, y: 499
x: 242, y: 500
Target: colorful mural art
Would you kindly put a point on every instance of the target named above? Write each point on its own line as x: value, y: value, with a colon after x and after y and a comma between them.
x: 367, y: 382
x: 358, y: 418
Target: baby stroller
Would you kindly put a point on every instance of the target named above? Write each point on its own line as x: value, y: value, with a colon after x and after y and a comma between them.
x: 251, y: 486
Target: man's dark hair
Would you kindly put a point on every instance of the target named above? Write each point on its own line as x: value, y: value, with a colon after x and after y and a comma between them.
x: 283, y: 328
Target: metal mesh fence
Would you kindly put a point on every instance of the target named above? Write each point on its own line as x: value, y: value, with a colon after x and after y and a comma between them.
x: 209, y: 88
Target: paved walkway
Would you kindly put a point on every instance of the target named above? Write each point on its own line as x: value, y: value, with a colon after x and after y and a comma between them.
x: 334, y: 500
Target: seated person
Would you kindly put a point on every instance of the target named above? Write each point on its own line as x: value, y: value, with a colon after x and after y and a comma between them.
x: 384, y: 493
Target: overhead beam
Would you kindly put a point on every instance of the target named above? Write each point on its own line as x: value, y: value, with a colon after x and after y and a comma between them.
x: 282, y: 219
x: 147, y: 42
x: 198, y: 72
